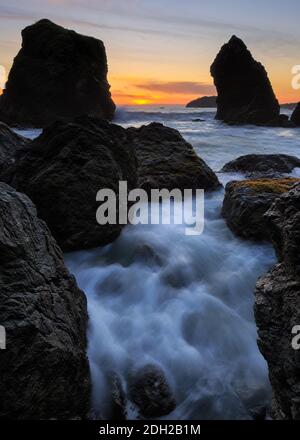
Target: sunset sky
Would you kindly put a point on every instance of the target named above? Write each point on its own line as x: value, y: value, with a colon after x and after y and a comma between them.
x: 160, y: 51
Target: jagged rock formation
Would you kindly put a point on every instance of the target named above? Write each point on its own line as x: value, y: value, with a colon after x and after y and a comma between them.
x: 166, y: 160
x: 10, y: 143
x: 246, y: 202
x: 289, y: 105
x: 262, y: 165
x: 204, y: 102
x: 245, y: 94
x: 150, y: 391
x: 56, y: 74
x: 295, y: 118
x: 44, y: 368
x: 63, y: 169
x: 277, y: 306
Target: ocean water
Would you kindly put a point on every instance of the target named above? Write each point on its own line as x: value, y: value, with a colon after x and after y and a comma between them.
x: 185, y: 303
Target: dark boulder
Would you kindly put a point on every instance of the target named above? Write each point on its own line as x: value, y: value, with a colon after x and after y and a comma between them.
x: 10, y: 143
x: 277, y: 306
x: 63, y: 169
x: 262, y: 165
x: 166, y: 160
x: 44, y: 369
x: 246, y: 202
x: 295, y: 118
x: 56, y: 74
x: 150, y: 391
x: 204, y: 102
x: 245, y: 94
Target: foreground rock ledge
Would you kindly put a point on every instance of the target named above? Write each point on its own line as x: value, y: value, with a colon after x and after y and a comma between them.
x: 277, y: 306
x: 246, y: 202
x: 44, y: 369
x: 56, y: 74
x: 63, y: 169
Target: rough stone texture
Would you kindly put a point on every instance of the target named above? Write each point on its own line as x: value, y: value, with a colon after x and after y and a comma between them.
x: 150, y: 391
x: 10, y: 143
x: 166, y: 160
x: 246, y: 202
x: 56, y: 74
x: 64, y: 168
x: 295, y: 118
x: 245, y: 94
x: 204, y: 102
x: 277, y: 306
x: 44, y: 370
x: 118, y: 399
x: 262, y: 165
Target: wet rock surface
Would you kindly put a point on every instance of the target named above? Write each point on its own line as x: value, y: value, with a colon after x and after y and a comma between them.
x: 151, y: 393
x: 277, y: 306
x: 10, y: 143
x: 44, y: 369
x: 246, y: 202
x: 262, y: 165
x: 166, y: 160
x: 63, y: 169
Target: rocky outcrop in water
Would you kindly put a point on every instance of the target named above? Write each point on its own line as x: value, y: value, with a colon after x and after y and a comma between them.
x: 63, y: 169
x: 295, y: 118
x: 277, y: 306
x: 262, y: 165
x: 44, y: 369
x: 246, y: 202
x: 204, y: 102
x: 10, y: 143
x: 56, y: 74
x: 150, y: 391
x: 245, y: 94
x: 166, y: 160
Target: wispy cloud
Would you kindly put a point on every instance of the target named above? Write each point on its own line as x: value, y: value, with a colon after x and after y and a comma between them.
x: 178, y: 87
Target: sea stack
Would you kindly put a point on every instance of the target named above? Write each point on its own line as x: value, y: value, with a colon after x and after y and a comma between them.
x: 245, y: 94
x: 295, y: 118
x: 57, y: 74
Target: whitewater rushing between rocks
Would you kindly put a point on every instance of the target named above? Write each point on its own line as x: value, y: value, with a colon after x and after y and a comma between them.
x: 184, y: 304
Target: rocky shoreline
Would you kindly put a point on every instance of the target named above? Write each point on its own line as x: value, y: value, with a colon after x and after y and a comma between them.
x: 48, y: 204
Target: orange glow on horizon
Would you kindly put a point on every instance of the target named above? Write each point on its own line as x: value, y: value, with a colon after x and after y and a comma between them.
x: 142, y: 101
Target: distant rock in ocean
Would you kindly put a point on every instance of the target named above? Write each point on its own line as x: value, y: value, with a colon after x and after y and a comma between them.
x: 245, y: 94
x: 289, y: 106
x: 295, y: 118
x: 58, y: 73
x: 204, y: 102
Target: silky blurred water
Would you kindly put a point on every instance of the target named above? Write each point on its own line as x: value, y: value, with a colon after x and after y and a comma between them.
x: 184, y: 303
